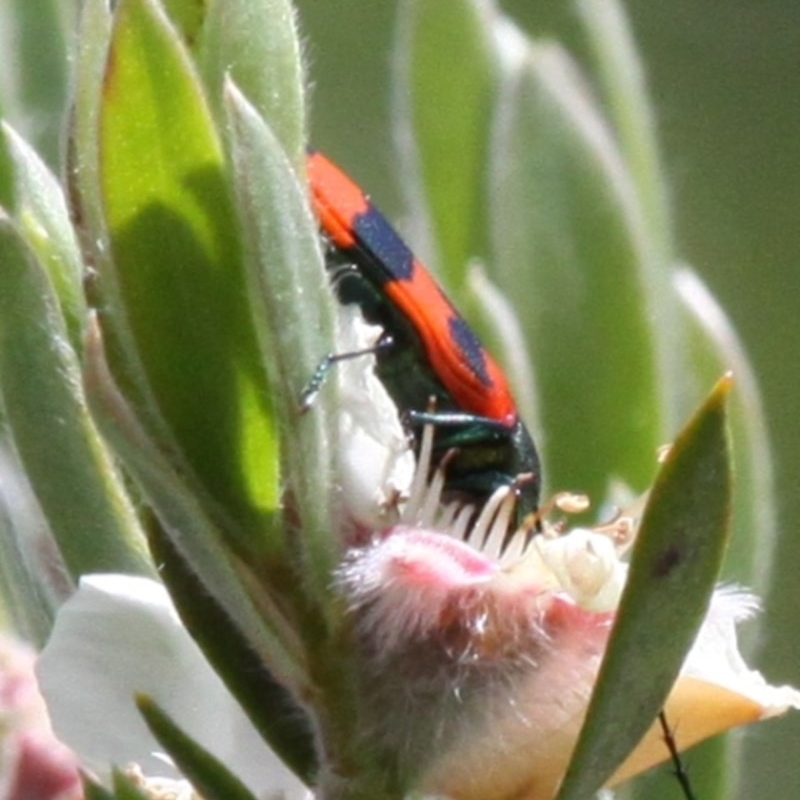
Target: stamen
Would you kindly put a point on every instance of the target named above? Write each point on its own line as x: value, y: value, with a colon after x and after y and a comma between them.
x: 430, y: 505
x: 497, y: 541
x: 461, y: 529
x: 571, y: 503
x: 504, y: 521
x: 622, y: 526
x: 418, y: 490
x: 485, y: 524
x: 568, y: 502
x: 516, y: 548
x: 448, y: 514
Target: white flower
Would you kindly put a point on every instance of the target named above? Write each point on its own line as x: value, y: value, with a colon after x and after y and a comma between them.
x: 119, y: 635
x: 376, y: 462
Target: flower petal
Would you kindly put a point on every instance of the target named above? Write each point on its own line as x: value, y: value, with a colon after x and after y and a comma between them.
x: 119, y: 635
x: 33, y: 763
x: 716, y: 690
x: 376, y: 462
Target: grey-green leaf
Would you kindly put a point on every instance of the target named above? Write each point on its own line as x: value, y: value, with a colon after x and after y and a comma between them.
x: 293, y: 314
x: 674, y: 567
x: 446, y: 68
x: 178, y: 502
x: 255, y: 44
x: 26, y: 608
x: 69, y: 468
x: 208, y: 776
x: 623, y: 81
x: 40, y: 211
x: 713, y: 346
x: 567, y: 251
x: 34, y: 41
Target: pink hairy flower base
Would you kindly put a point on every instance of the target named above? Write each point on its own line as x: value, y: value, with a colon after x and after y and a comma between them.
x: 504, y: 659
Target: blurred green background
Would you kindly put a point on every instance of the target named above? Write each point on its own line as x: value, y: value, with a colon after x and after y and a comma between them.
x: 725, y: 84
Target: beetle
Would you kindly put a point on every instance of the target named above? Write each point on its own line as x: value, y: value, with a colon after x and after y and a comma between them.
x: 431, y: 362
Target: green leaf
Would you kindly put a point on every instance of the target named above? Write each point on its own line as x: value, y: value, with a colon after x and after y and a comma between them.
x: 446, y: 68
x: 623, y: 80
x: 713, y: 346
x: 24, y: 606
x: 293, y: 308
x: 674, y: 567
x: 208, y: 776
x: 198, y: 537
x: 567, y: 252
x: 83, y: 176
x: 94, y: 791
x: 255, y: 44
x: 175, y: 294
x: 7, y: 199
x: 40, y: 212
x: 34, y: 40
x: 187, y: 16
x: 68, y: 466
x: 125, y: 787
x: 270, y: 707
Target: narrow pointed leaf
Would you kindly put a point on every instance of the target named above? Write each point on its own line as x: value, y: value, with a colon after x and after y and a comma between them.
x: 178, y: 275
x: 208, y: 775
x: 24, y: 607
x: 624, y: 84
x: 674, y: 567
x: 178, y: 504
x: 567, y: 252
x: 255, y: 44
x: 294, y: 311
x: 68, y: 466
x: 41, y: 213
x: 94, y: 791
x: 35, y: 42
x: 712, y: 348
x: 125, y: 788
x: 268, y: 704
x: 446, y: 78
x: 622, y: 81
x: 83, y: 179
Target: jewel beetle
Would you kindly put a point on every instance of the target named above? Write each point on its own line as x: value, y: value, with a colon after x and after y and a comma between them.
x: 429, y: 351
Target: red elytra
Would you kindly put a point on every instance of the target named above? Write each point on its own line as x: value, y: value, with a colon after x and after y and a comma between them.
x: 471, y: 376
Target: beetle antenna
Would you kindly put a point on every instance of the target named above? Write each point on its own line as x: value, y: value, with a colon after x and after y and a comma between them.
x: 315, y: 383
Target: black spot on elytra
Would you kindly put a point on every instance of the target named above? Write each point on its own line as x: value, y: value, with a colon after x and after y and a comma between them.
x: 385, y: 243
x: 470, y: 348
